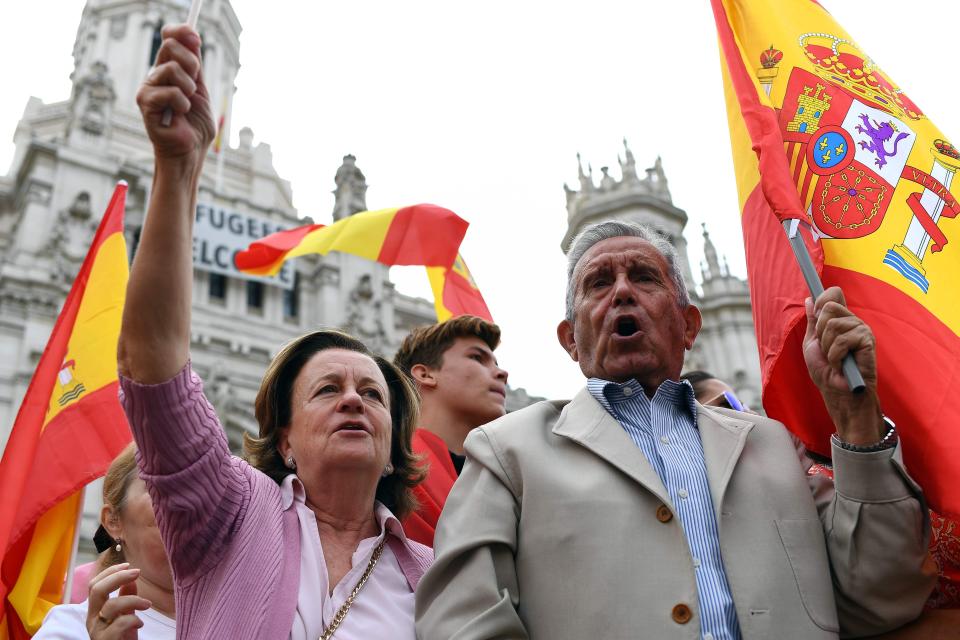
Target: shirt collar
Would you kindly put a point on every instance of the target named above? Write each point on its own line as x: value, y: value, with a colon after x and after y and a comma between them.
x: 291, y: 491
x: 610, y: 394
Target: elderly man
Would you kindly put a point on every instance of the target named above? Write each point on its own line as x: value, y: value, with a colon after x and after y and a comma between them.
x: 632, y: 511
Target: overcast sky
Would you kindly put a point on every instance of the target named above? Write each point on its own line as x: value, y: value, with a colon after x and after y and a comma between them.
x: 481, y: 108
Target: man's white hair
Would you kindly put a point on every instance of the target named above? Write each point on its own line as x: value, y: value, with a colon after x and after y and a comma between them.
x: 600, y: 231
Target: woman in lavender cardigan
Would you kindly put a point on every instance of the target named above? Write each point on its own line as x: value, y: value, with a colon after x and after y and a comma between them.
x: 304, y: 541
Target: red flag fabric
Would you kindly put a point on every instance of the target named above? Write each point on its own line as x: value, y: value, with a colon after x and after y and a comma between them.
x: 68, y: 430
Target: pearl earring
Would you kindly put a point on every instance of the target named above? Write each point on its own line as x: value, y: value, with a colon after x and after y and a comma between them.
x: 118, y: 548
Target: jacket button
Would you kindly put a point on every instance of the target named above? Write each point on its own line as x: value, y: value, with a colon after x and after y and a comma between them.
x: 664, y: 514
x: 681, y: 614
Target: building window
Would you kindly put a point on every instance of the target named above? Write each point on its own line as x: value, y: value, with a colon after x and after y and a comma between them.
x: 155, y: 44
x: 218, y: 288
x: 255, y: 297
x: 291, y: 299
x: 135, y: 242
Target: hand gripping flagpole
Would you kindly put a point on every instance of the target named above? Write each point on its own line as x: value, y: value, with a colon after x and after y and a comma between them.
x: 192, y: 19
x: 850, y: 370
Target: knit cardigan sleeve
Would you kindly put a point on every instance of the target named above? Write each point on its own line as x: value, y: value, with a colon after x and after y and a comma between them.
x: 200, y: 491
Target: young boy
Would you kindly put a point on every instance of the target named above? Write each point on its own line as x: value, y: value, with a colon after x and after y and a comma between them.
x: 461, y: 387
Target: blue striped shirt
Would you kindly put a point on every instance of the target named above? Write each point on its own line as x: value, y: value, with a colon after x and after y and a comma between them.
x: 665, y: 428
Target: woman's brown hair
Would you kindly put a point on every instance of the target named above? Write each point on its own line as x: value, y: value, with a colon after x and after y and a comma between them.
x: 273, y: 411
x: 120, y: 475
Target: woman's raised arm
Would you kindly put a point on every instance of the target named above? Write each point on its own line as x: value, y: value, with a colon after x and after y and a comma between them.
x: 155, y: 334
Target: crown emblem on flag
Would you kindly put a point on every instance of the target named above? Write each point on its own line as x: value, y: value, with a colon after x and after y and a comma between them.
x: 843, y: 63
x: 771, y: 57
x: 947, y: 149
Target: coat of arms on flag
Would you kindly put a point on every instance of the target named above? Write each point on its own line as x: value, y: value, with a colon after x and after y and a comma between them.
x: 854, y: 155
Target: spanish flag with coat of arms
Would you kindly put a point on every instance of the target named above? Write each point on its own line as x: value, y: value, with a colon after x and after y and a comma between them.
x: 68, y: 430
x: 822, y: 135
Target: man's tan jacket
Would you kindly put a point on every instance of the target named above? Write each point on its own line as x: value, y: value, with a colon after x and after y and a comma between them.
x: 559, y: 528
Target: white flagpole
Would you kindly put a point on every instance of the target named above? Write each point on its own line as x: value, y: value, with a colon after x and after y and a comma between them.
x: 74, y: 549
x: 192, y: 17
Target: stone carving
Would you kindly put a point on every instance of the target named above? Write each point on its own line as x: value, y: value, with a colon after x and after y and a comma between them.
x: 364, y: 317
x: 607, y: 183
x: 628, y: 166
x: 586, y: 179
x: 39, y: 193
x: 70, y: 238
x: 118, y: 26
x: 222, y: 394
x: 351, y: 191
x: 93, y: 98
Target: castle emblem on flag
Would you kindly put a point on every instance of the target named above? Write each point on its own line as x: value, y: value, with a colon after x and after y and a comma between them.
x: 72, y: 388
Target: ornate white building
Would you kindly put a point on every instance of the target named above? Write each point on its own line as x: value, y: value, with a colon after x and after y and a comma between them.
x: 71, y: 153
x: 726, y: 346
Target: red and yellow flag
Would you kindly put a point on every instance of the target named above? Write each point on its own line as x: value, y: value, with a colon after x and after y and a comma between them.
x: 455, y: 293
x: 820, y: 133
x: 422, y: 234
x: 68, y: 430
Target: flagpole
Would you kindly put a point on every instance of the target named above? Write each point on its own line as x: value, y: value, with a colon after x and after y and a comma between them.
x: 218, y: 181
x: 192, y: 18
x: 850, y: 370
x: 74, y: 548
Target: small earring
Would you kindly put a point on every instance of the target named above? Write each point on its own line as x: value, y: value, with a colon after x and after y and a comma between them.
x: 291, y: 463
x: 118, y: 548
x: 387, y: 470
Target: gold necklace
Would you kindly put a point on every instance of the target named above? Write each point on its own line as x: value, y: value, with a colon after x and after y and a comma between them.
x: 345, y: 607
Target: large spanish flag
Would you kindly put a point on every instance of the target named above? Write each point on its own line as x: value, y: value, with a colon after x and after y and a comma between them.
x: 68, y: 430
x: 820, y: 133
x: 422, y: 234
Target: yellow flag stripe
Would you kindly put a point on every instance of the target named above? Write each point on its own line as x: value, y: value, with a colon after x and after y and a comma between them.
x: 361, y: 234
x: 40, y: 583
x: 438, y: 278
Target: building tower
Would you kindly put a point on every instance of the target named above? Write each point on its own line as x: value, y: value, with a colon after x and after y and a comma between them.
x: 644, y: 200
x: 726, y: 346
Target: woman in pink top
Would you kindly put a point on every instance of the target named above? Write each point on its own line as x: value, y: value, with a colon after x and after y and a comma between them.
x: 302, y: 540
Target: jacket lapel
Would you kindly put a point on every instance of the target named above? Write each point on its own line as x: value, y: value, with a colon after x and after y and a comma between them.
x: 586, y: 422
x: 723, y: 439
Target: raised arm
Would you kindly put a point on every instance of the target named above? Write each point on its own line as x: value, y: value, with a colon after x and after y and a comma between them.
x: 155, y: 335
x: 874, y: 516
x: 199, y: 490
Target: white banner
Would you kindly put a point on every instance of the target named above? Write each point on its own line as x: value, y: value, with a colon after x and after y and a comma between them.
x: 218, y: 234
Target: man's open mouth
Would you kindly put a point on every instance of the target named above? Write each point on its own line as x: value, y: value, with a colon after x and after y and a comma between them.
x: 626, y: 327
